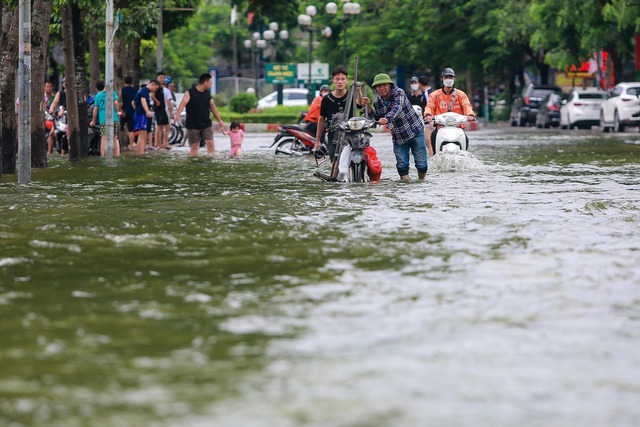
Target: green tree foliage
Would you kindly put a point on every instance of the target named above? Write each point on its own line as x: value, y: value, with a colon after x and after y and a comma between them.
x: 489, y: 42
x: 275, y: 10
x: 189, y: 50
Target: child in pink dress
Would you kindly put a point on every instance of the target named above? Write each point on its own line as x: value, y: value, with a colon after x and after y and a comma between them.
x: 236, y: 136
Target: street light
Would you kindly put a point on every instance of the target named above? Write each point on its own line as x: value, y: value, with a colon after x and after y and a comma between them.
x: 349, y: 10
x: 270, y: 36
x: 305, y: 22
x: 255, y: 44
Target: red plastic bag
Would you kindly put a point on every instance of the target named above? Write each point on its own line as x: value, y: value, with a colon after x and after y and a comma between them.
x: 374, y: 165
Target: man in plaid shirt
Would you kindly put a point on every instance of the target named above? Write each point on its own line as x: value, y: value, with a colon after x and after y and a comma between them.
x: 392, y: 107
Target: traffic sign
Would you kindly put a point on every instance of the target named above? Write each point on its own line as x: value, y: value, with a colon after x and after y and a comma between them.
x: 319, y: 72
x: 280, y: 73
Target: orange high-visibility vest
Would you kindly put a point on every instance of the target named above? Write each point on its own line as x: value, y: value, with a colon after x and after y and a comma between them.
x: 457, y: 101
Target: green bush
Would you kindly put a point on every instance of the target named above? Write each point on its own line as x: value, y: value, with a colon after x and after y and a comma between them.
x: 243, y: 102
x: 220, y: 99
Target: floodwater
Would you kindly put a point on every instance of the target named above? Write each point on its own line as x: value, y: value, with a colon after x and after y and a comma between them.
x: 167, y: 291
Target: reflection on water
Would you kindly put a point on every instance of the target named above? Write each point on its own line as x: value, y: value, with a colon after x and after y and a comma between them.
x: 168, y: 291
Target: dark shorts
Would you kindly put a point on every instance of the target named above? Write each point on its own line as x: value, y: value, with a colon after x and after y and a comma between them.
x: 128, y: 122
x: 140, y: 122
x: 196, y: 135
x: 161, y: 117
x: 103, y: 129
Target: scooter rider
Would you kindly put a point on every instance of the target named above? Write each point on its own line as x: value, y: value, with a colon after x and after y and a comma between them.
x: 447, y: 99
x: 407, y: 129
x: 331, y: 105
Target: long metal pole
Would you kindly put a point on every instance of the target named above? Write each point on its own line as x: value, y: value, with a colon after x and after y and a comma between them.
x: 310, y: 95
x: 235, y: 52
x: 108, y: 76
x: 254, y: 54
x: 159, y: 36
x: 24, y: 81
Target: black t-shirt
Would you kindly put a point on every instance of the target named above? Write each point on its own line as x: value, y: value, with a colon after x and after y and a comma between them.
x: 160, y: 97
x: 128, y: 93
x: 198, y: 110
x: 330, y: 106
x: 419, y: 99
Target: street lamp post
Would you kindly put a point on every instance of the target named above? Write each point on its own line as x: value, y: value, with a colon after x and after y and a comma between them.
x: 305, y: 22
x: 255, y: 44
x: 350, y: 10
x: 270, y: 36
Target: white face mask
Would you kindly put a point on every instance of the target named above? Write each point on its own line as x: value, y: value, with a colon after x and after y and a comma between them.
x: 414, y: 87
x: 448, y: 82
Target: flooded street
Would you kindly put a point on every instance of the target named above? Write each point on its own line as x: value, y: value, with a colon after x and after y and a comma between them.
x: 167, y: 291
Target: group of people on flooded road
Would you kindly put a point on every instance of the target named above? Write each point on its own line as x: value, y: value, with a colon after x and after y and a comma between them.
x: 394, y: 108
x: 136, y: 112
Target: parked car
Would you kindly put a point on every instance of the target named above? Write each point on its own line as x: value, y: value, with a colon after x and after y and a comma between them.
x: 582, y: 109
x: 621, y: 108
x: 290, y: 97
x: 525, y: 107
x: 549, y: 111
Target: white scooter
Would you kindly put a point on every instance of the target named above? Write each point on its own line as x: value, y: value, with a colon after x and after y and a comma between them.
x: 450, y: 137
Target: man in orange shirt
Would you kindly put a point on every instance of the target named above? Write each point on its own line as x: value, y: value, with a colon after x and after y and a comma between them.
x: 314, y: 110
x: 445, y: 100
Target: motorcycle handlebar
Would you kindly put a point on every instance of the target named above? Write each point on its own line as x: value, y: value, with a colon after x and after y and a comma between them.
x: 430, y: 119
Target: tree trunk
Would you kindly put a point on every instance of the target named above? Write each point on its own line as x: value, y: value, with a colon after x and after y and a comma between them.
x: 72, y: 96
x: 1, y: 47
x: 133, y: 62
x: 94, y: 57
x: 39, y: 50
x: 543, y: 67
x: 8, y: 65
x: 79, y: 51
x: 119, y: 49
x: 618, y: 67
x: 120, y: 56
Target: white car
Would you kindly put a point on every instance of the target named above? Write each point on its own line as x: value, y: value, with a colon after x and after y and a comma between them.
x: 622, y: 108
x: 290, y: 97
x: 582, y: 109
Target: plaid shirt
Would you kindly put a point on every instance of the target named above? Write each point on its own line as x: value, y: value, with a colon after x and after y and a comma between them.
x: 404, y: 122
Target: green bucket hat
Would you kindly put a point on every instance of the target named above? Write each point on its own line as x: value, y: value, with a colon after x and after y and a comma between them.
x: 381, y: 79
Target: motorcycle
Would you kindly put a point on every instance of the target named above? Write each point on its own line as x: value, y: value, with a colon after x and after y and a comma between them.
x: 358, y: 161
x: 450, y: 137
x: 94, y: 140
x: 293, y: 140
x: 356, y: 157
x: 176, y: 133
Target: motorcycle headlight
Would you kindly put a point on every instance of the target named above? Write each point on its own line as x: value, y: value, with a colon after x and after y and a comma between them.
x: 451, y: 121
x: 356, y: 123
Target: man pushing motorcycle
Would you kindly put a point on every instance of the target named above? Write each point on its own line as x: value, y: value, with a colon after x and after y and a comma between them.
x: 444, y: 100
x: 392, y: 107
